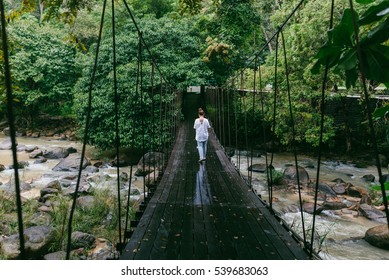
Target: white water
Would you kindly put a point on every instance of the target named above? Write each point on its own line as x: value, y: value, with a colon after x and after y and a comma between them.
x: 39, y: 175
x: 343, y: 234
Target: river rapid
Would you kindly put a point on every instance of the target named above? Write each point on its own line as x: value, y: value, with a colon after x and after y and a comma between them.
x: 342, y: 235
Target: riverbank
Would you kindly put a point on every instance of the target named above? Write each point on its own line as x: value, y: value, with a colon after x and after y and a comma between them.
x: 340, y: 233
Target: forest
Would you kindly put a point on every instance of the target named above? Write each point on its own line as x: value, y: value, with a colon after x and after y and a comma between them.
x: 52, y: 47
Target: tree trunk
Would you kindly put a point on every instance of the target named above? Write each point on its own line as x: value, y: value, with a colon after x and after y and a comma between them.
x: 266, y: 38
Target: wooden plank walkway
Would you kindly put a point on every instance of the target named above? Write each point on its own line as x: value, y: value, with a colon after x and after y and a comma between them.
x: 206, y: 211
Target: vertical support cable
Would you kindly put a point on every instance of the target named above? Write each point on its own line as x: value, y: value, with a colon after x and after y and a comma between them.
x: 229, y: 116
x: 160, y: 122
x: 236, y: 124
x: 271, y: 168
x: 292, y: 123
x: 223, y: 116
x: 245, y: 94
x: 153, y: 140
x: 322, y: 107
x: 139, y: 91
x: 12, y: 130
x: 117, y: 137
x: 85, y: 139
x: 253, y: 122
x: 263, y: 123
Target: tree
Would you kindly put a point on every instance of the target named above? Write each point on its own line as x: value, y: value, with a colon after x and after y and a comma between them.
x: 231, y: 32
x: 43, y: 67
x: 170, y: 43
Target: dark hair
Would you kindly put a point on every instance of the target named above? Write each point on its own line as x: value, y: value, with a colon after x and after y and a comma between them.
x: 201, y: 112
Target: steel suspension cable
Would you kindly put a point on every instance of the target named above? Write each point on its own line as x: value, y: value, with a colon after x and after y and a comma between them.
x: 236, y: 123
x: 160, y: 120
x: 322, y: 107
x: 275, y: 35
x: 223, y: 116
x: 293, y: 136
x: 153, y: 135
x: 263, y: 123
x: 139, y: 93
x: 246, y: 133
x: 86, y: 131
x: 229, y: 118
x: 253, y: 122
x: 12, y: 130
x: 369, y: 114
x: 143, y: 40
x: 271, y: 168
x: 117, y: 136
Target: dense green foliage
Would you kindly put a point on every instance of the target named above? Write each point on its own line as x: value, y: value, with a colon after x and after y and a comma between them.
x: 169, y: 43
x: 44, y: 68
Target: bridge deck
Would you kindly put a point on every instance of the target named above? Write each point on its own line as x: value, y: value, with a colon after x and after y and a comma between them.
x: 206, y: 211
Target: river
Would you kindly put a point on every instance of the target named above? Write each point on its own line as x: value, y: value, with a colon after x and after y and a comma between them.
x: 342, y: 235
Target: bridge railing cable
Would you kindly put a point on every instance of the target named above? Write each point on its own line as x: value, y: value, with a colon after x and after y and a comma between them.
x: 12, y: 130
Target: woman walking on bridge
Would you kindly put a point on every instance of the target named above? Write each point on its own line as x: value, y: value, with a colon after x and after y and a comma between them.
x: 201, y: 125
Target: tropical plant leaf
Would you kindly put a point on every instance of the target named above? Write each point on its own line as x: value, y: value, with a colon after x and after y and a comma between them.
x: 376, y: 63
x: 378, y: 35
x: 342, y: 34
x: 348, y: 60
x: 374, y: 13
x: 327, y: 54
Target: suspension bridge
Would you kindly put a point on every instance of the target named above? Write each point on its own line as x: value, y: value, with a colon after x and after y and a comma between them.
x: 196, y: 210
x: 206, y: 210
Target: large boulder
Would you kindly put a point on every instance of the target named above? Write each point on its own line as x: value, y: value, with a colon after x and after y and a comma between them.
x: 291, y: 172
x: 378, y: 236
x: 71, y: 163
x: 258, y: 167
x: 6, y: 145
x: 55, y: 153
x: 82, y: 240
x: 372, y: 213
x: 37, y: 241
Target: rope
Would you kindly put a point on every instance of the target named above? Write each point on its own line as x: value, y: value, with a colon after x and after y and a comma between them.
x: 223, y: 115
x: 117, y: 136
x: 87, y: 122
x: 152, y: 115
x: 11, y: 123
x: 270, y: 168
x: 236, y: 124
x: 293, y: 136
x: 275, y: 35
x: 369, y: 115
x: 253, y: 112
x: 139, y: 93
x: 263, y: 125
x: 322, y: 105
x: 229, y: 118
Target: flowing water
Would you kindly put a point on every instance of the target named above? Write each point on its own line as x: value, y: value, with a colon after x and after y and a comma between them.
x: 342, y: 235
x: 39, y: 175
